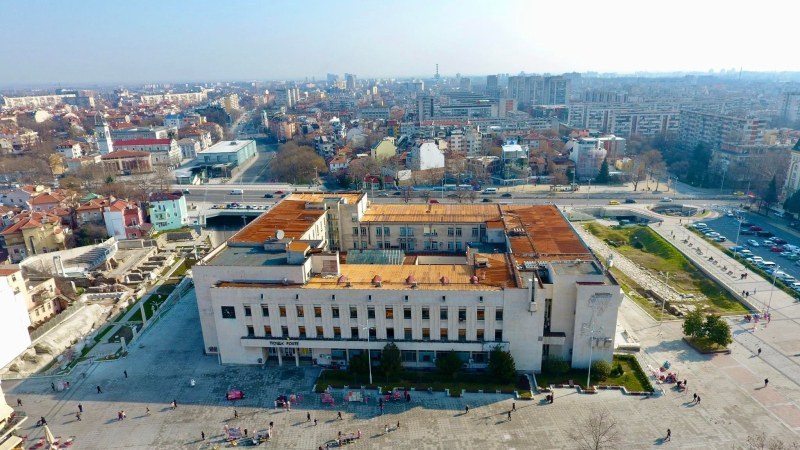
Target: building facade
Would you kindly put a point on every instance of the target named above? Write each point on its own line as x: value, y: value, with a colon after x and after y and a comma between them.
x: 236, y: 152
x: 281, y: 290
x: 14, y: 319
x: 167, y: 210
x: 163, y: 151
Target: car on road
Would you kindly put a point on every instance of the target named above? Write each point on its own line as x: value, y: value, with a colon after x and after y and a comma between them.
x: 665, y: 200
x: 720, y: 239
x: 729, y: 213
x: 268, y: 195
x: 383, y: 194
x: 433, y: 200
x: 756, y: 228
x: 753, y: 243
x: 747, y: 224
x: 747, y: 233
x: 486, y: 200
x: 786, y: 254
x: 397, y: 193
x: 765, y: 233
x: 699, y: 225
x: 278, y: 192
x: 738, y: 193
x: 613, y: 202
x: 776, y: 249
x: 507, y: 195
x: 736, y: 248
x: 186, y: 191
x: 630, y: 200
x: 779, y: 241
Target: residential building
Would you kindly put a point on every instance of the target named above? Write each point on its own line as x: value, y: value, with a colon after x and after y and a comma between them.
x: 513, y: 152
x: 514, y: 277
x: 47, y: 201
x: 425, y: 156
x: 373, y: 113
x: 556, y: 90
x: 167, y: 210
x: 20, y: 196
x: 384, y: 149
x: 712, y: 129
x: 282, y: 127
x: 792, y: 183
x: 70, y: 149
x: 189, y: 148
x: 43, y: 300
x: 588, y: 155
x: 351, y: 81
x: 14, y: 319
x: 192, y: 119
x: 173, y: 121
x: 125, y: 220
x: 76, y: 164
x: 790, y: 107
x: 338, y: 162
x: 324, y: 146
x: 183, y: 98
x: 136, y: 133
x: 231, y: 103
x: 164, y: 151
x: 228, y: 152
x: 626, y: 119
x: 33, y: 233
x: 37, y: 101
x: 200, y: 135
x: 91, y: 212
x: 126, y: 162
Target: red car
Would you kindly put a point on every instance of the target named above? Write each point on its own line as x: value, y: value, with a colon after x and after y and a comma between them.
x: 776, y: 249
x: 779, y: 241
x: 755, y: 228
x: 281, y: 192
x: 433, y: 200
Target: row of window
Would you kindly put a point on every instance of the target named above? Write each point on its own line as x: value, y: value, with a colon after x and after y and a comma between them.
x: 229, y: 312
x: 407, y: 334
x: 410, y: 244
x: 409, y: 231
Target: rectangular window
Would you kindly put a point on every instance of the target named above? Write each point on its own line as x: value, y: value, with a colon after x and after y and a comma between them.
x: 354, y: 332
x: 355, y: 231
x: 450, y: 246
x: 282, y: 310
x: 386, y: 231
x: 426, y: 357
x: 284, y: 331
x: 451, y: 231
x: 458, y: 232
x: 251, y: 331
x: 481, y: 314
x: 228, y: 312
x: 407, y: 333
x: 406, y: 313
x: 364, y: 244
x: 247, y: 311
x: 442, y: 313
x: 462, y: 314
x: 265, y: 310
x: 462, y: 334
x: 475, y: 232
x: 300, y: 312
x: 426, y: 334
x: 353, y: 312
x: 443, y: 334
x: 480, y: 334
x: 302, y: 332
x: 458, y: 245
x: 267, y: 331
x: 408, y: 356
x: 390, y: 334
x: 320, y: 332
x: 317, y: 311
x: 389, y: 312
x: 372, y: 333
x: 363, y: 231
x: 426, y: 313
x: 335, y: 312
x: 370, y: 312
x: 480, y: 357
x: 498, y: 335
x: 498, y: 314
x: 337, y: 333
x: 402, y: 231
x: 378, y: 231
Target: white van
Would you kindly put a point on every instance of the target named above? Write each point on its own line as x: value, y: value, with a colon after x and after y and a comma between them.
x: 237, y: 192
x: 768, y: 265
x: 490, y: 191
x: 791, y: 248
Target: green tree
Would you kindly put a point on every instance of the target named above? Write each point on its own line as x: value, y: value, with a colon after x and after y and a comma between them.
x: 501, y: 366
x: 698, y: 165
x: 603, y: 176
x: 601, y: 370
x: 570, y: 174
x: 792, y: 203
x: 391, y: 363
x: 555, y: 365
x: 359, y: 364
x: 717, y: 330
x: 771, y: 196
x: 693, y: 324
x: 449, y: 364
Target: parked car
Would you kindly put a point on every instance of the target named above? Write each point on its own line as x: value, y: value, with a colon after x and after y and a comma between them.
x: 186, y: 192
x: 753, y: 243
x: 666, y: 200
x: 776, y: 249
x: 630, y: 200
x: 747, y: 224
x: 747, y: 233
x: 736, y: 248
x: 699, y: 225
x: 755, y: 228
x: 779, y: 241
x: 383, y: 194
x: 433, y: 200
x: 278, y: 192
x: 268, y: 196
x: 397, y: 193
x: 720, y: 239
x: 765, y: 233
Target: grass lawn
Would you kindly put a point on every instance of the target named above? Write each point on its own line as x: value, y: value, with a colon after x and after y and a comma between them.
x: 181, y: 270
x: 153, y: 300
x: 417, y: 379
x: 99, y: 336
x: 632, y: 377
x: 646, y: 248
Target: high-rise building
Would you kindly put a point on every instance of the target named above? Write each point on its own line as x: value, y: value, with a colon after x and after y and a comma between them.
x: 556, y: 90
x: 491, y: 85
x: 713, y: 130
x: 332, y: 79
x: 465, y: 84
x: 350, y: 81
x: 424, y: 107
x: 103, y: 135
x: 790, y: 109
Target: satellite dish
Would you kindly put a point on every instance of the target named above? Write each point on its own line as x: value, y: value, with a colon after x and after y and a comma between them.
x: 279, y: 234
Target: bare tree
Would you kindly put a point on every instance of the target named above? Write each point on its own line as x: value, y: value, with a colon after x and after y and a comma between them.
x: 761, y: 441
x: 599, y: 431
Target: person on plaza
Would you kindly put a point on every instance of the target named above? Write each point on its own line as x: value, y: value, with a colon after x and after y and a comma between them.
x: 315, y: 421
x: 766, y: 382
x: 308, y: 417
x: 509, y: 415
x: 669, y: 435
x: 235, y: 414
x: 126, y: 373
x: 80, y: 407
x: 381, y: 408
x: 202, y: 436
x: 386, y: 429
x: 147, y: 411
x: 759, y: 351
x: 273, y: 423
x: 398, y: 425
x: 694, y: 397
x: 340, y: 415
x: 99, y: 391
x: 174, y: 404
x: 245, y: 432
x: 685, y: 383
x: 119, y: 416
x: 466, y: 409
x: 19, y: 402
x: 513, y: 406
x: 42, y: 421
x: 124, y: 416
x: 53, y: 386
x: 359, y: 431
x: 698, y: 399
x: 78, y: 416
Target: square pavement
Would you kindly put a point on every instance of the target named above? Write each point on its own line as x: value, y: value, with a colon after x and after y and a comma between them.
x: 169, y: 354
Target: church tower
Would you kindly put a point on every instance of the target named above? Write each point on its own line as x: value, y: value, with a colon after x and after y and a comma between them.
x: 103, y: 135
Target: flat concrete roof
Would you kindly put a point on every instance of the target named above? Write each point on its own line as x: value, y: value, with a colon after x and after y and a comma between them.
x: 226, y: 147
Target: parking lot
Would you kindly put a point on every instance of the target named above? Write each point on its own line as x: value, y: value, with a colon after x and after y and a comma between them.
x: 729, y: 227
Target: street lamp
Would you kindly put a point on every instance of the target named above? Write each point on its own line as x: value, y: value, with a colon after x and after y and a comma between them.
x: 591, y: 349
x: 369, y: 353
x: 772, y: 291
x: 663, y: 300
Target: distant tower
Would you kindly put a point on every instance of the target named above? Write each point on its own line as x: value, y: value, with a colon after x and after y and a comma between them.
x: 437, y: 72
x: 103, y: 135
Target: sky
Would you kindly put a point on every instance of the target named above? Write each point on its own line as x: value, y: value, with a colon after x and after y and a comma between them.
x: 109, y: 41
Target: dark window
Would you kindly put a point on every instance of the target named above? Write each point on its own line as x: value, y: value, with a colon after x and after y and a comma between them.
x: 498, y: 314
x: 284, y: 331
x: 390, y: 333
x: 228, y: 312
x: 355, y: 231
x: 247, y: 311
x: 267, y: 331
x: 426, y: 313
x: 409, y: 356
x: 372, y: 333
x: 337, y: 333
x: 426, y: 334
x: 318, y: 311
x: 302, y: 332
x: 480, y: 334
x: 320, y: 332
x: 265, y: 310
x: 335, y: 312
x: 443, y: 334
x: 462, y: 314
x: 498, y: 335
x: 353, y: 312
x: 371, y: 312
x: 282, y: 310
x: 481, y: 314
x: 354, y: 332
x: 443, y: 313
x: 406, y: 313
x: 462, y: 335
x: 407, y: 332
x: 389, y: 312
x: 300, y: 312
x: 251, y: 331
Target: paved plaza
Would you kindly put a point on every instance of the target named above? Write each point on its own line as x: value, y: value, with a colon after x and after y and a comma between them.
x: 162, y: 363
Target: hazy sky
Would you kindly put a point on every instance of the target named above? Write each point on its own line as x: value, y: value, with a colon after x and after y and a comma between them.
x: 118, y: 41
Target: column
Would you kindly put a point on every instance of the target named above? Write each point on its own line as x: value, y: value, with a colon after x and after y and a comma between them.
x: 280, y: 356
x: 297, y: 357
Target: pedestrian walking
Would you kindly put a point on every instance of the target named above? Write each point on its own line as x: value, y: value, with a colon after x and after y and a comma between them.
x: 513, y: 406
x: 698, y: 399
x: 340, y: 415
x: 466, y: 409
x: 126, y: 373
x: 381, y: 409
x: 398, y: 424
x: 759, y: 351
x: 315, y: 422
x: 19, y: 402
x: 754, y: 291
x: 694, y: 398
x: 124, y: 416
x: 78, y: 416
x: 245, y: 432
x: 80, y: 407
x: 53, y: 386
x: 99, y: 391
x: 147, y: 411
x: 119, y: 416
x: 174, y: 404
x: 669, y: 435
x: 386, y: 429
x: 308, y: 417
x: 202, y: 436
x: 685, y: 383
x: 42, y: 421
x: 509, y: 415
x: 766, y: 382
x: 235, y: 414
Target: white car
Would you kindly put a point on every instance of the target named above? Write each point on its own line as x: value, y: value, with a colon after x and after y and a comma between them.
x: 753, y: 243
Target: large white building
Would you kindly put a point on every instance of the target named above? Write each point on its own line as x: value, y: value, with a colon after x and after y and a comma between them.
x: 14, y: 319
x: 324, y: 277
x: 425, y: 156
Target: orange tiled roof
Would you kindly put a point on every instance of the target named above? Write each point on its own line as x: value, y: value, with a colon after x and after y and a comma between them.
x: 290, y: 215
x: 547, y: 234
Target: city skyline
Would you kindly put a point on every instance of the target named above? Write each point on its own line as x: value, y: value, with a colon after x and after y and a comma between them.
x: 98, y: 42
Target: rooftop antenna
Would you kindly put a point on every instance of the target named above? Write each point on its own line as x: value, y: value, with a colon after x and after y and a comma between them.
x: 279, y: 234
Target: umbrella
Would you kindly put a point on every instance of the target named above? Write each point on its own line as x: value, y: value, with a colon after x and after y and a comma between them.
x: 48, y: 435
